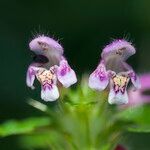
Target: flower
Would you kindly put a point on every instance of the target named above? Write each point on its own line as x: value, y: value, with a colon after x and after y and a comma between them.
x: 49, y: 67
x: 141, y: 95
x: 114, y: 70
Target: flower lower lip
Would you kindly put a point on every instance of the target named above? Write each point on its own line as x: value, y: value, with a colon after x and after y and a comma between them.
x: 40, y: 59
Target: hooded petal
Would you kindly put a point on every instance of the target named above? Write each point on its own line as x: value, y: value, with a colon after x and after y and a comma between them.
x: 30, y: 77
x: 47, y: 48
x: 118, y: 93
x: 41, y: 43
x: 49, y: 92
x: 119, y: 49
x: 65, y: 74
x: 116, y: 53
x: 98, y: 80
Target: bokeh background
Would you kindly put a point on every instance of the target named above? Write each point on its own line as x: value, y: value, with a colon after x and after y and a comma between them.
x: 83, y: 27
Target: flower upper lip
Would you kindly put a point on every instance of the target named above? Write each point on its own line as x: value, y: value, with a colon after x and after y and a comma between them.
x: 122, y: 48
x: 42, y: 42
x: 116, y: 53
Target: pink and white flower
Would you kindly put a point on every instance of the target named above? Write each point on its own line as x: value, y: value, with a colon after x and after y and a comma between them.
x: 49, y: 67
x: 114, y: 70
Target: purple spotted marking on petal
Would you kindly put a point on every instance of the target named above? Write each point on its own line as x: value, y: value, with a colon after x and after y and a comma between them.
x: 47, y: 86
x: 64, y: 71
x: 31, y: 73
x: 100, y: 74
x: 132, y: 75
x: 64, y: 68
x: 118, y: 85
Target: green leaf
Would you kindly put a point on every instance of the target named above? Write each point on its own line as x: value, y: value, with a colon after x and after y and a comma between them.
x: 139, y: 116
x: 13, y: 127
x: 140, y: 128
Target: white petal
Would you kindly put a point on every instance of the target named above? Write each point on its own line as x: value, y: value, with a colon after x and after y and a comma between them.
x: 118, y: 85
x: 99, y: 80
x: 30, y: 77
x: 68, y: 79
x: 96, y: 83
x: 48, y: 94
x: 117, y: 98
x: 65, y: 74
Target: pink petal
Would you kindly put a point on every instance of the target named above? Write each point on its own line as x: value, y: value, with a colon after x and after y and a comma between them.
x: 98, y: 80
x: 65, y: 74
x: 120, y: 48
x: 30, y: 77
x: 49, y: 92
x: 135, y: 80
x: 41, y: 43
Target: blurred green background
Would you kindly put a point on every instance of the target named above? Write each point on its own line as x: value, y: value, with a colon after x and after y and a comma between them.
x: 83, y: 28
